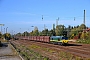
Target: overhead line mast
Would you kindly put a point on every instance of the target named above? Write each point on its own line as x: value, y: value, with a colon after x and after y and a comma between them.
x: 44, y: 24
x: 84, y: 18
x: 74, y: 18
x: 57, y: 21
x: 84, y: 24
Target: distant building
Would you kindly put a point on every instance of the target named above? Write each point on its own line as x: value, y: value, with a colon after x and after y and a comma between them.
x: 87, y: 30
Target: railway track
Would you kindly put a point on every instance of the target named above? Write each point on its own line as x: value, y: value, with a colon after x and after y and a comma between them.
x: 78, y: 50
x: 81, y: 51
x: 44, y: 54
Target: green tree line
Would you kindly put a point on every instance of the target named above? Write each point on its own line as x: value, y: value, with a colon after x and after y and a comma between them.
x: 60, y: 30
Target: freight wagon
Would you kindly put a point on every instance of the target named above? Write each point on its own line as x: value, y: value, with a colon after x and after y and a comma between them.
x: 53, y: 39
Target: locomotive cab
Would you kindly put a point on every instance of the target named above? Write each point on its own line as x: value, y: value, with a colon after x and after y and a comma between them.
x: 59, y: 40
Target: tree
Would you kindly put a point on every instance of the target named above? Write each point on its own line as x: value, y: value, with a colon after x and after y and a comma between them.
x: 82, y: 27
x: 36, y: 32
x: 31, y: 33
x: 50, y: 32
x: 82, y: 35
x: 7, y: 36
x: 45, y: 32
x: 19, y: 34
x: 40, y: 33
x: 25, y: 33
x: 35, y: 28
x: 0, y: 35
x: 88, y: 35
x: 59, y: 30
x: 73, y: 31
x: 77, y: 26
x: 76, y: 31
x: 54, y: 34
x: 68, y: 29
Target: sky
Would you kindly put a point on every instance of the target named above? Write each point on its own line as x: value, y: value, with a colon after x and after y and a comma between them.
x: 20, y: 15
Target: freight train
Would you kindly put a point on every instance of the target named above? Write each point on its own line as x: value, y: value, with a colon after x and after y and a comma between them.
x: 48, y: 39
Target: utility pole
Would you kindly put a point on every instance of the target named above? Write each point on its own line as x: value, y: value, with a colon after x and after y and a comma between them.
x: 20, y: 33
x: 6, y: 29
x: 42, y: 20
x: 1, y: 27
x: 54, y: 30
x: 84, y: 24
x: 25, y: 34
x: 12, y: 34
x: 44, y: 26
x: 84, y: 18
x: 74, y: 18
x: 57, y: 21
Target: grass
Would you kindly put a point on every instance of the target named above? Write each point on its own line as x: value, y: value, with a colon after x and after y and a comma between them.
x: 48, y: 50
x: 29, y: 54
x: 34, y: 46
x: 62, y: 54
x: 66, y: 55
x: 45, y: 49
x: 69, y: 56
x: 84, y: 41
